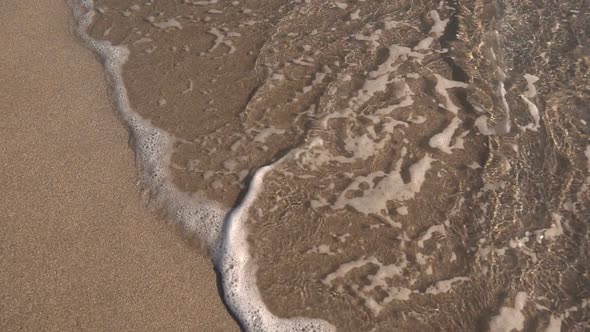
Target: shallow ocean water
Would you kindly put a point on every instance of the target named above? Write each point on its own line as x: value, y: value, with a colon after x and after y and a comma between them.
x: 429, y: 161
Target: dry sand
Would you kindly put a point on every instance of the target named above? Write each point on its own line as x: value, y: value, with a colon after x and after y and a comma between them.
x: 77, y: 249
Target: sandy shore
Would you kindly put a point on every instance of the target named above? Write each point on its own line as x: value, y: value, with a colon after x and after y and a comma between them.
x: 77, y: 249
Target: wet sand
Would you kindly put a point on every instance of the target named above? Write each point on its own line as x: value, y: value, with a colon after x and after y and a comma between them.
x: 77, y: 249
x: 429, y: 165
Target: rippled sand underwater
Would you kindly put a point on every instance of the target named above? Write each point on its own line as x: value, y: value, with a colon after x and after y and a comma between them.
x: 430, y: 160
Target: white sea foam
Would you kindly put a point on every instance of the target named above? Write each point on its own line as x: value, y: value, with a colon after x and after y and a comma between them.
x: 510, y: 318
x: 442, y: 140
x: 169, y: 23
x: 429, y: 232
x: 439, y: 25
x: 444, y: 286
x: 377, y: 280
x: 199, y: 216
x: 534, y: 112
x: 152, y: 146
x: 554, y: 324
x: 390, y: 187
x: 531, y: 91
x: 556, y: 228
x: 442, y: 85
x: 238, y: 272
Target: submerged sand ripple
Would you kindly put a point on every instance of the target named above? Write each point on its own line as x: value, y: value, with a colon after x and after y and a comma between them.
x: 433, y: 171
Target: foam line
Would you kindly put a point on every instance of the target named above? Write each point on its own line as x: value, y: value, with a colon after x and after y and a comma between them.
x: 199, y: 216
x: 152, y: 146
x: 238, y: 272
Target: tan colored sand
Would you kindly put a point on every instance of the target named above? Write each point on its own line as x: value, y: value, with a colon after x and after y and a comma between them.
x: 77, y: 250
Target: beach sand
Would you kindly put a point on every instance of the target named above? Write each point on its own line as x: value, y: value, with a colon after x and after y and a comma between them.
x: 77, y: 248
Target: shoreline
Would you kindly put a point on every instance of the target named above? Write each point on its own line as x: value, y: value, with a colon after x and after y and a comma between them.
x: 79, y: 249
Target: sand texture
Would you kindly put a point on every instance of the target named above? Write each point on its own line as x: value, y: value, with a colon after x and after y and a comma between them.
x: 77, y: 249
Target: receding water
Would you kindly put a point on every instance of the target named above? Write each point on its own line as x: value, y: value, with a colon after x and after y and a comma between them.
x: 429, y: 161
